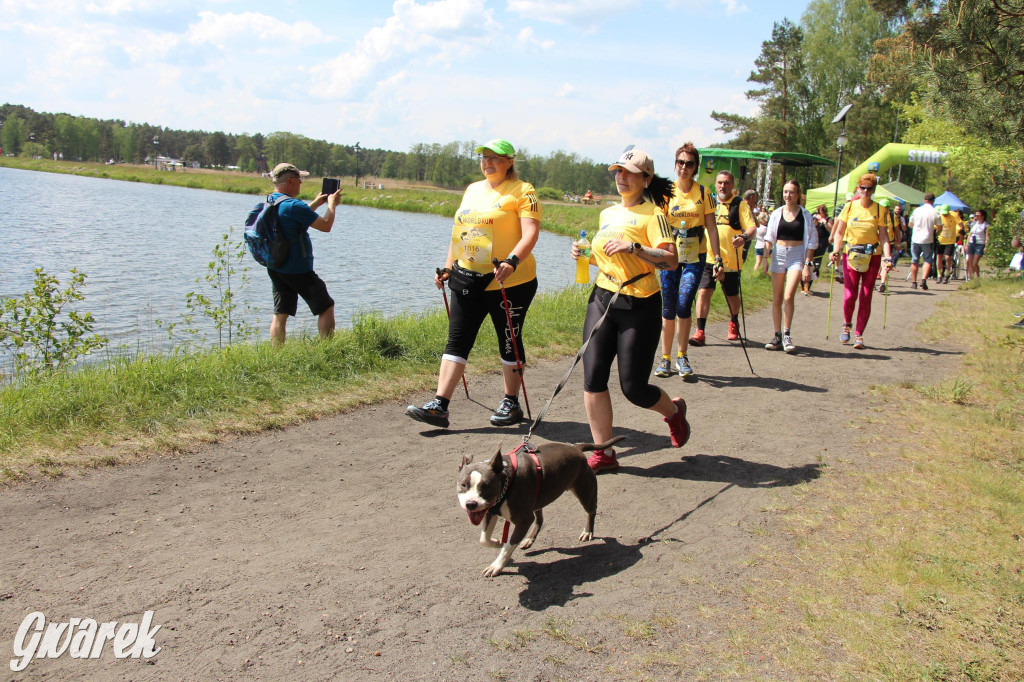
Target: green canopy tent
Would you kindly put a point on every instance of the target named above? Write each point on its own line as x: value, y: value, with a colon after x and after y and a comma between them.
x: 713, y: 160
x: 906, y: 193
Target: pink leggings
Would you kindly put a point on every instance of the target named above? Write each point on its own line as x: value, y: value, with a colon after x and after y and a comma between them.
x: 866, y: 281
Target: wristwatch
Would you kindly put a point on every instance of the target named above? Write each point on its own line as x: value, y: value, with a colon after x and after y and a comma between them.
x: 809, y: 263
x: 635, y: 246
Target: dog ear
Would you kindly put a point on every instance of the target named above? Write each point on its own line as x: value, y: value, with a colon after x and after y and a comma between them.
x: 496, y: 463
x: 466, y: 459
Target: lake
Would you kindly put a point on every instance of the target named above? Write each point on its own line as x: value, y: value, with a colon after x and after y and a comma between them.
x: 143, y: 247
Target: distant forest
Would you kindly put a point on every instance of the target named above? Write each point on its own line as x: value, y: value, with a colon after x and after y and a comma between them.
x: 453, y: 165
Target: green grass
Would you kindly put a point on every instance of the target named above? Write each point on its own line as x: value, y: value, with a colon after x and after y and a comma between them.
x: 916, y: 570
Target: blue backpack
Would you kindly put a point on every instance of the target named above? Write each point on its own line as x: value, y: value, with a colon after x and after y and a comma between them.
x: 264, y: 236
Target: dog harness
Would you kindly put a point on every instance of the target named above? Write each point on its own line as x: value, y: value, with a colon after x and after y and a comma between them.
x: 527, y: 449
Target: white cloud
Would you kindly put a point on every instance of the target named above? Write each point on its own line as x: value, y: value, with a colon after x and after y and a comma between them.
x: 252, y: 29
x: 526, y: 40
x: 570, y: 12
x: 440, y: 28
x: 733, y: 7
x: 567, y: 90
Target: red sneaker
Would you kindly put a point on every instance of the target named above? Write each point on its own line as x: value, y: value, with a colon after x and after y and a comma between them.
x: 698, y: 338
x: 601, y: 460
x: 734, y: 331
x: 678, y: 427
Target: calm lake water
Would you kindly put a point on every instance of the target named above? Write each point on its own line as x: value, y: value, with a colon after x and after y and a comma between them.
x: 143, y: 246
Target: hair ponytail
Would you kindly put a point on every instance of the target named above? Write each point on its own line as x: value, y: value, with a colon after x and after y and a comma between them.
x: 659, y: 191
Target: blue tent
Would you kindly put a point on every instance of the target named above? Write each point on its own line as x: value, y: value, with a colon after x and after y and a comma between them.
x: 951, y: 200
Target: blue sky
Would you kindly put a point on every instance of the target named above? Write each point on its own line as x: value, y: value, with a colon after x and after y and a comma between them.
x: 586, y: 77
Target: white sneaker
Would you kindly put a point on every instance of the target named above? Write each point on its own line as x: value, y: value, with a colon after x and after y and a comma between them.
x: 775, y: 343
x: 787, y: 344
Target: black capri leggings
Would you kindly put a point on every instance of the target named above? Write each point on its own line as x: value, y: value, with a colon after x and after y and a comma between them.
x: 632, y: 331
x: 468, y: 313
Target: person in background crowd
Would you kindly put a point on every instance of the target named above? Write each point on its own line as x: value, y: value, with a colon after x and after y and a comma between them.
x: 499, y: 219
x: 736, y: 227
x: 858, y: 236
x: 633, y: 242
x: 691, y: 215
x: 923, y: 223
x: 794, y: 239
x: 977, y: 237
x: 950, y: 228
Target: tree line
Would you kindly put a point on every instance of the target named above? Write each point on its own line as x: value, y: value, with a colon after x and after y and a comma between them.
x: 948, y: 73
x: 453, y: 165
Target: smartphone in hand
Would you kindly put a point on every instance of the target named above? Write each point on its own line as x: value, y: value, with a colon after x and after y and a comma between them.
x: 330, y: 186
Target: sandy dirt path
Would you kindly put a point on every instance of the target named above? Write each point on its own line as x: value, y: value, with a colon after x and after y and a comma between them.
x: 336, y: 549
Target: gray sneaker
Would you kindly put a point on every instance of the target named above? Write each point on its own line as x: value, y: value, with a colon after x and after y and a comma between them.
x: 685, y: 371
x: 507, y: 414
x: 787, y: 344
x: 432, y: 413
x: 775, y: 343
x: 664, y: 369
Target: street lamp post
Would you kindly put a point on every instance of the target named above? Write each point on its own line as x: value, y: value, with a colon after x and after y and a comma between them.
x: 840, y: 144
x: 357, y: 163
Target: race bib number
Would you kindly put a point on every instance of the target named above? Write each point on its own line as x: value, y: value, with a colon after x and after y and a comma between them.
x: 688, y: 249
x: 471, y: 246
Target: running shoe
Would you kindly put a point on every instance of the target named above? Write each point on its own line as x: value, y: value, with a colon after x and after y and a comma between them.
x: 913, y: 285
x: 858, y: 342
x: 787, y: 344
x: 432, y: 413
x: 678, y: 427
x: 924, y: 284
x: 775, y: 343
x: 507, y: 414
x: 844, y: 336
x: 734, y: 331
x: 698, y: 338
x: 685, y: 371
x: 881, y: 288
x: 601, y: 460
x: 664, y: 368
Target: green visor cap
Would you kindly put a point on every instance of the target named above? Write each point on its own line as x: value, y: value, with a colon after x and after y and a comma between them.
x: 498, y: 146
x: 944, y: 209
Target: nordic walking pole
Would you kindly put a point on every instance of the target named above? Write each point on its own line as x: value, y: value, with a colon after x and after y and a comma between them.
x: 440, y: 274
x: 832, y: 277
x: 515, y: 347
x: 743, y: 316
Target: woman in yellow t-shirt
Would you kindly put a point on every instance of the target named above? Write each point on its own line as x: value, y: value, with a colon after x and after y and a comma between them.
x: 862, y: 228
x: 691, y: 215
x: 499, y: 219
x: 631, y: 244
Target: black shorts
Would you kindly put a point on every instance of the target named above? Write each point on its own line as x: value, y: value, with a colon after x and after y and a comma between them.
x: 288, y: 287
x: 467, y: 314
x: 730, y: 286
x: 946, y: 249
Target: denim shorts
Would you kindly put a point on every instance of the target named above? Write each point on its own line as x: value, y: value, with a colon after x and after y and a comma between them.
x: 922, y: 253
x: 786, y: 258
x: 976, y: 249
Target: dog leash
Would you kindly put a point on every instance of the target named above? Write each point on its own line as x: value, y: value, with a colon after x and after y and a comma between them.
x: 581, y: 351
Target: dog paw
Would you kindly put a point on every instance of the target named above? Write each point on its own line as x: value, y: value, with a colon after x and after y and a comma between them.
x: 586, y: 536
x: 526, y: 544
x: 492, y: 570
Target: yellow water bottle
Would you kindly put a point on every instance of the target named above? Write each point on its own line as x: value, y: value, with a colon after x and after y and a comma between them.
x: 583, y: 262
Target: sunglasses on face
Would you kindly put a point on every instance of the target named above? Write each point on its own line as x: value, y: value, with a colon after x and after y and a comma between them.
x: 867, y: 190
x: 490, y: 158
x: 686, y: 164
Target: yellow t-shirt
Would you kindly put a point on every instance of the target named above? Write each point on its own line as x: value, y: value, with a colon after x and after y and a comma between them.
x: 646, y: 224
x: 487, y: 226
x: 861, y: 223
x: 950, y: 226
x: 686, y: 214
x: 732, y: 257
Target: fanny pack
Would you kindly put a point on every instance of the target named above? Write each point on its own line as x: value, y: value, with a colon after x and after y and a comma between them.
x: 466, y: 282
x: 858, y: 257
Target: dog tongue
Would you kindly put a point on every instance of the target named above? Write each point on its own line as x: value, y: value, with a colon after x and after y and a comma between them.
x: 475, y: 517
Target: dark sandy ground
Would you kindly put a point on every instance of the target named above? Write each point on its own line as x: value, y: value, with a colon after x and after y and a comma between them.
x: 336, y: 549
